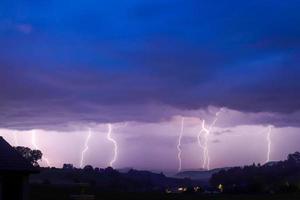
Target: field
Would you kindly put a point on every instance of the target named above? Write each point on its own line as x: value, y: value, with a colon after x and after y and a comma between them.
x: 60, y: 193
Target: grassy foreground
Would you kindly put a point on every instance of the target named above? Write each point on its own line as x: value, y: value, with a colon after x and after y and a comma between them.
x: 63, y: 193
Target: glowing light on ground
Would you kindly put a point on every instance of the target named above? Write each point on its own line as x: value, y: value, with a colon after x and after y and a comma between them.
x: 86, y: 147
x: 35, y: 146
x: 205, y: 132
x: 109, y: 138
x: 179, y: 146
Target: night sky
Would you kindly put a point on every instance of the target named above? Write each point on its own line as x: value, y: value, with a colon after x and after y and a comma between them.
x: 67, y: 67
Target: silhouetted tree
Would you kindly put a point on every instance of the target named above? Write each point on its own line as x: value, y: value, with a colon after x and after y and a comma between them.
x: 294, y: 158
x: 88, y: 168
x: 111, y: 172
x: 31, y: 155
x: 68, y: 166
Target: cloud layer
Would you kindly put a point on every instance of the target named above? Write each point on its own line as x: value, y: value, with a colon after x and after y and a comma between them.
x: 147, y: 61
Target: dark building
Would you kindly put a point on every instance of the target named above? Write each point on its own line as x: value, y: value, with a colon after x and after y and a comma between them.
x: 14, y: 172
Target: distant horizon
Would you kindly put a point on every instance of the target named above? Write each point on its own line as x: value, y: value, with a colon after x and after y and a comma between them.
x: 57, y: 159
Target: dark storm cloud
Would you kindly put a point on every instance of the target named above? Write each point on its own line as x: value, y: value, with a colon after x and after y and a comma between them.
x: 145, y: 61
x: 232, y: 118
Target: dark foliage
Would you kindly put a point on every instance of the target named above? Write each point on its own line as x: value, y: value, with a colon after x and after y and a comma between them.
x: 88, y: 168
x: 109, y: 179
x: 275, y: 177
x: 68, y: 166
x: 33, y: 156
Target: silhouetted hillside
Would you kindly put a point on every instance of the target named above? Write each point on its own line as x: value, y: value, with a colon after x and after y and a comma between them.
x: 199, y: 175
x: 274, y: 177
x: 110, y: 180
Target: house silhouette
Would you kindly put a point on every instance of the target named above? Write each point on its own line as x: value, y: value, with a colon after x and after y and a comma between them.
x: 14, y: 172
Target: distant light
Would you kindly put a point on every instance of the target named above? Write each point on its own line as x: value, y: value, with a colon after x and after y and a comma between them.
x: 182, y: 189
x: 168, y: 191
x: 196, y: 189
x: 221, y: 187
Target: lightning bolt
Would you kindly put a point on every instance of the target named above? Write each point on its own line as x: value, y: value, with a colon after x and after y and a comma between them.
x: 33, y: 139
x: 15, y: 139
x: 35, y: 146
x: 109, y: 138
x: 206, y: 133
x: 269, y: 142
x: 179, y: 146
x: 86, y: 147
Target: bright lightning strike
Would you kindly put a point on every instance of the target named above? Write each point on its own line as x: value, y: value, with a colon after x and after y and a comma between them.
x: 204, y: 146
x: 269, y: 141
x: 109, y: 137
x: 16, y: 141
x: 179, y: 146
x: 86, y: 147
x: 47, y: 161
x: 35, y: 146
x: 33, y: 139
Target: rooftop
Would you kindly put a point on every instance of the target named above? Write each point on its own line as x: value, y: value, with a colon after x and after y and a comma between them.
x: 12, y: 161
